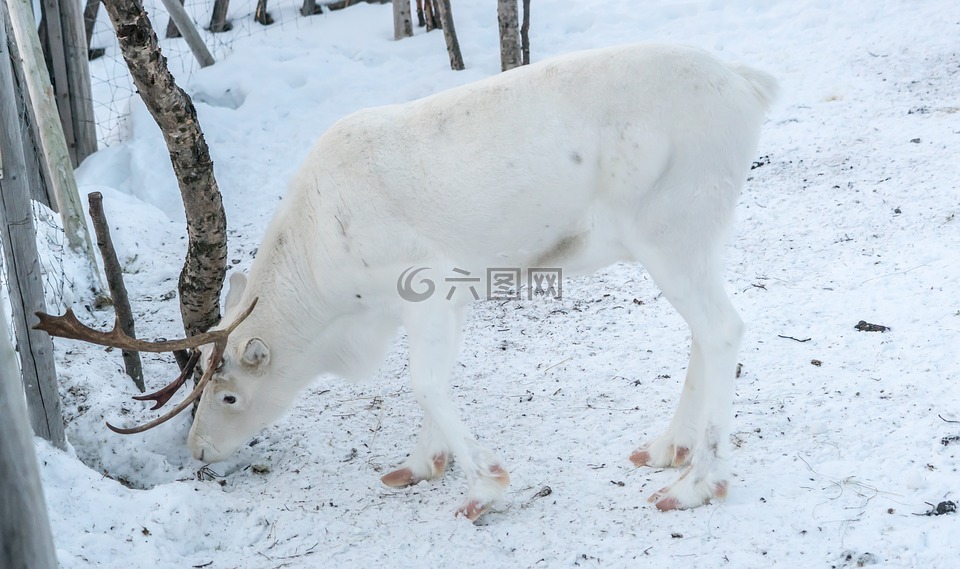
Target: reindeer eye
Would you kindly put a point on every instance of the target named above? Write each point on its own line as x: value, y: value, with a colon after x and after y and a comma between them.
x: 229, y: 399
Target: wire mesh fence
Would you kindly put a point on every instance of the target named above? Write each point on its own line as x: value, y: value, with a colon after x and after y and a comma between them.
x: 112, y: 86
x: 112, y: 91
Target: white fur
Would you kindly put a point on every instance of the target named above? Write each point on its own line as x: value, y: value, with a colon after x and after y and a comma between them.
x: 633, y: 153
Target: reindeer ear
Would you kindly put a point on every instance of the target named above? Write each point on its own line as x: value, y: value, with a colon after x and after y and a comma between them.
x: 256, y: 354
x: 238, y: 282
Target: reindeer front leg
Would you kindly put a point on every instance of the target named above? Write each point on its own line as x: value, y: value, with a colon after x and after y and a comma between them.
x: 434, y: 332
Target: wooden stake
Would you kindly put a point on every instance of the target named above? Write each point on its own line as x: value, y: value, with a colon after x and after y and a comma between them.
x: 118, y: 291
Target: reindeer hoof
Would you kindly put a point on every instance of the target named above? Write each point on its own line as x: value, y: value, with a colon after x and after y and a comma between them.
x: 487, y: 489
x: 403, y: 477
x: 472, y: 510
x: 400, y: 478
x: 688, y: 493
x: 671, y: 455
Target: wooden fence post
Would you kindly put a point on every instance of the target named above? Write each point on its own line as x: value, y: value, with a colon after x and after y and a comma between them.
x: 37, y: 171
x: 66, y: 45
x: 178, y: 15
x: 310, y: 8
x: 218, y: 20
x: 90, y: 18
x: 52, y: 141
x: 25, y: 537
x: 23, y: 267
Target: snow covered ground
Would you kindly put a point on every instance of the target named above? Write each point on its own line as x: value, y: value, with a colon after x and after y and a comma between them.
x: 842, y: 437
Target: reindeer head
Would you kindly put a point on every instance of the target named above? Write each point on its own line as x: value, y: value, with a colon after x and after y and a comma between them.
x: 240, y: 398
x: 232, y: 406
x: 235, y: 403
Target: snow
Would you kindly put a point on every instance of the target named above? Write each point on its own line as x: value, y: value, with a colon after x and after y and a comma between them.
x: 852, y: 216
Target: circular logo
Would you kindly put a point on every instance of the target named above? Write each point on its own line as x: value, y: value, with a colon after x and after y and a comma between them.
x: 405, y: 285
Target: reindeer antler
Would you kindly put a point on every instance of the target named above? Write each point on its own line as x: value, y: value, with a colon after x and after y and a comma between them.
x: 218, y: 349
x: 68, y: 326
x: 162, y: 395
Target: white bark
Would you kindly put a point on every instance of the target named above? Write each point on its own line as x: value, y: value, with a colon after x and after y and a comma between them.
x: 449, y: 34
x: 509, y: 34
x: 402, y: 20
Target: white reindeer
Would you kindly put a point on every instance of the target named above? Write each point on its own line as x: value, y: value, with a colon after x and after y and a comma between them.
x: 633, y: 153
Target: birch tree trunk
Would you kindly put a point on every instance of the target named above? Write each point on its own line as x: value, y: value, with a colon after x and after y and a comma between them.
x: 205, y: 266
x: 509, y: 34
x: 26, y: 541
x: 431, y: 17
x: 450, y: 34
x: 402, y: 22
x: 421, y: 21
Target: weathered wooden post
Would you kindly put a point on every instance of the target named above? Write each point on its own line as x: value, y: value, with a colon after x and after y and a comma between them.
x: 90, y: 18
x: 26, y: 541
x: 52, y: 141
x: 218, y: 20
x: 179, y: 16
x: 67, y: 47
x: 310, y: 8
x: 38, y: 175
x: 20, y: 255
x: 118, y: 290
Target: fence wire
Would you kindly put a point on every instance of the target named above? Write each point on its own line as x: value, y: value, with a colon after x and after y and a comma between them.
x: 112, y: 86
x: 112, y: 91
